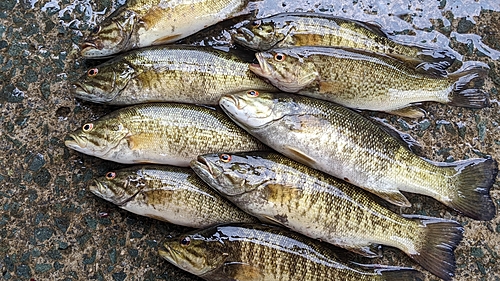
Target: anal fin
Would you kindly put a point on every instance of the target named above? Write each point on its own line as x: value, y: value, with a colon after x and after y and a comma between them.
x: 393, y: 196
x: 410, y: 112
x: 365, y: 250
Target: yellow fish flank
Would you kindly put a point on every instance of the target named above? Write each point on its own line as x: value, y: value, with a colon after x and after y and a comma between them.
x: 172, y: 194
x: 316, y: 29
x: 344, y: 144
x: 161, y: 133
x: 184, y: 74
x: 281, y: 191
x: 251, y: 252
x: 142, y: 23
x: 370, y: 81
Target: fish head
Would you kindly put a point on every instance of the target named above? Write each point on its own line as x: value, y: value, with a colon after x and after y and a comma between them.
x: 102, y: 84
x: 99, y: 138
x: 233, y: 175
x: 119, y: 187
x: 252, y: 109
x: 198, y: 252
x: 286, y: 69
x: 258, y: 35
x: 112, y: 36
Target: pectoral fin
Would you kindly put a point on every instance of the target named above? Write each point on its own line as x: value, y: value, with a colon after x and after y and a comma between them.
x: 300, y: 156
x: 243, y: 272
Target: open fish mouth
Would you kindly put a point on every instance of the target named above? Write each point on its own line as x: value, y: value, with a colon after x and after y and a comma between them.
x: 244, y: 35
x: 168, y: 253
x: 74, y: 142
x: 203, y: 164
x: 263, y: 68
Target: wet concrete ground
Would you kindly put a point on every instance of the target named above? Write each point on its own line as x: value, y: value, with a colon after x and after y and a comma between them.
x: 52, y: 228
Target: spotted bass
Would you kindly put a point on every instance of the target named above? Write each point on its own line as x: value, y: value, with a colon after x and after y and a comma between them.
x: 276, y: 189
x: 142, y: 23
x: 168, y: 74
x: 343, y: 143
x: 161, y: 133
x: 172, y: 194
x: 370, y: 81
x: 250, y: 252
x: 316, y: 29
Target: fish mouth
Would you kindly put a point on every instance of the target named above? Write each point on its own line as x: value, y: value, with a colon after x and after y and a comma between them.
x: 262, y: 68
x: 75, y: 142
x: 202, y: 162
x: 168, y: 253
x: 244, y: 36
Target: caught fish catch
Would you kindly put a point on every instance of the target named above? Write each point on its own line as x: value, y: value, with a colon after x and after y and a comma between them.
x: 276, y: 189
x: 161, y: 133
x: 313, y: 29
x: 342, y: 143
x: 370, y: 81
x: 142, y: 23
x: 172, y: 194
x: 249, y: 252
x: 184, y: 74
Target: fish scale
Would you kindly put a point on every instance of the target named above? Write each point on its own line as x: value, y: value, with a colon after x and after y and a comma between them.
x: 169, y: 74
x: 171, y: 194
x: 143, y: 23
x: 343, y: 143
x: 281, y: 191
x: 260, y: 252
x: 161, y: 133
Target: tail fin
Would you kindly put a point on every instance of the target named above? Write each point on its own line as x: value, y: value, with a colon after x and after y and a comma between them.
x: 474, y: 178
x: 404, y: 274
x: 468, y: 80
x: 429, y: 62
x: 436, y: 245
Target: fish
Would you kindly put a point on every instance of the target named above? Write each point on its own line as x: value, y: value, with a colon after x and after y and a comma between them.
x: 340, y: 142
x: 160, y: 133
x: 317, y: 29
x: 281, y: 191
x: 167, y: 193
x: 369, y: 81
x: 251, y: 252
x: 184, y: 74
x: 143, y: 23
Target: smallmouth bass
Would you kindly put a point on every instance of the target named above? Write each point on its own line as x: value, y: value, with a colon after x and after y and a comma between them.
x: 172, y: 194
x: 340, y: 142
x: 160, y: 133
x: 142, y: 23
x: 316, y: 29
x: 369, y: 81
x: 279, y: 190
x: 249, y: 252
x: 183, y: 74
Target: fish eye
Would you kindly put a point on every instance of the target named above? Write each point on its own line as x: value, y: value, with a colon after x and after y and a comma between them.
x: 92, y: 72
x: 110, y: 175
x: 185, y: 241
x: 256, y: 23
x: 87, y: 127
x: 279, y: 57
x: 225, y: 158
x: 96, y: 29
x: 253, y: 94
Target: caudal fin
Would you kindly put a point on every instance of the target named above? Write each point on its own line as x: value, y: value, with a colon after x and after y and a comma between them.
x: 466, y: 90
x: 436, y: 244
x: 474, y: 179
